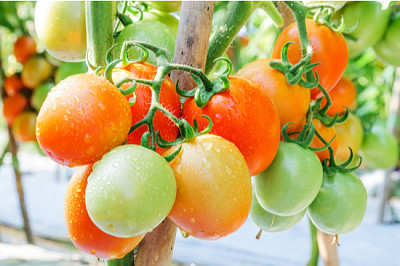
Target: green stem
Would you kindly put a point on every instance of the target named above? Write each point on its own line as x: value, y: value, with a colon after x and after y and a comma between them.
x: 125, y: 261
x: 314, y: 246
x: 236, y: 16
x: 197, y: 72
x: 3, y: 154
x: 99, y: 30
x: 272, y: 12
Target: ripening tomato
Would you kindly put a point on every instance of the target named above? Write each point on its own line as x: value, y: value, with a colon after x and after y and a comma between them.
x: 342, y: 95
x: 36, y: 70
x: 274, y: 83
x: 329, y: 49
x: 214, y: 187
x: 388, y: 46
x: 244, y: 115
x: 24, y: 48
x: 13, y: 106
x: 24, y: 127
x: 85, y: 235
x: 165, y: 6
x: 169, y: 99
x: 327, y: 133
x: 13, y: 85
x: 83, y: 117
x: 165, y: 18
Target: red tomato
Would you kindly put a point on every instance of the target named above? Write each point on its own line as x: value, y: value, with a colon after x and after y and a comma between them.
x: 24, y: 127
x: 13, y: 85
x: 24, y: 48
x: 13, y: 106
x: 169, y: 99
x: 85, y: 235
x: 329, y: 49
x: 342, y: 95
x: 244, y: 115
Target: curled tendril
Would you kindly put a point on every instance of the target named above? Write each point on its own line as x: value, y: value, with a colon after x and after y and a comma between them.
x: 125, y: 19
x: 228, y: 68
x: 305, y: 137
x: 109, y: 54
x: 109, y: 69
x: 134, y: 10
x: 124, y: 54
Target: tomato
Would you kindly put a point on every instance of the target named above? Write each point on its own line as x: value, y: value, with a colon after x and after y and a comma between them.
x: 13, y: 106
x: 327, y: 133
x: 13, y: 85
x: 348, y: 134
x: 152, y: 32
x: 67, y: 69
x: 214, y: 187
x: 165, y: 18
x: 83, y: 117
x: 291, y: 182
x: 24, y: 48
x: 340, y: 205
x: 24, y: 127
x: 85, y: 235
x: 274, y: 83
x: 36, y: 70
x: 244, y: 115
x: 165, y: 6
x: 379, y: 148
x: 329, y: 49
x: 169, y: 98
x: 40, y: 94
x: 130, y: 191
x: 372, y: 22
x: 342, y: 95
x: 388, y: 46
x: 61, y: 28
x: 269, y: 222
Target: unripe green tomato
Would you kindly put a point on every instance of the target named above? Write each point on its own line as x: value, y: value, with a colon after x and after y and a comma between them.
x: 379, y: 149
x: 67, y: 69
x: 152, y: 32
x: 40, y: 94
x: 165, y: 18
x: 291, y: 182
x: 60, y: 27
x: 269, y: 222
x: 165, y: 6
x: 130, y: 191
x: 389, y: 46
x: 340, y: 206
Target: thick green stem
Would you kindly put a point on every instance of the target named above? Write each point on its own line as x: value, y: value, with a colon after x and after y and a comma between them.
x: 314, y: 246
x: 273, y: 12
x: 237, y: 15
x: 99, y: 30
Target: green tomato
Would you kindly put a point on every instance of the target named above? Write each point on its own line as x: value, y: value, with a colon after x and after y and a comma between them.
x: 379, y: 149
x: 130, y: 191
x: 340, y: 206
x: 389, y: 46
x: 291, y: 182
x: 165, y: 6
x: 372, y: 22
x: 40, y: 94
x: 152, y: 32
x: 60, y: 27
x: 165, y: 18
x: 269, y: 222
x: 67, y: 69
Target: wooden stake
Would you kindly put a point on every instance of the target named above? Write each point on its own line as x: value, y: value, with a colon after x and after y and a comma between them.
x: 191, y: 49
x: 327, y: 249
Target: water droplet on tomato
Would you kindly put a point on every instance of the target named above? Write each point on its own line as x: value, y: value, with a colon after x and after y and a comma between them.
x: 239, y: 163
x: 115, y: 164
x: 207, y: 145
x: 178, y: 169
x: 192, y: 220
x: 228, y: 170
x: 205, y: 163
x: 184, y: 234
x: 232, y: 111
x: 218, y: 118
x: 93, y: 251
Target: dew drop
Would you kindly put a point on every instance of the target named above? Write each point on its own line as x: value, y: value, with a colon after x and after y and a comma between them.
x: 178, y: 169
x: 93, y: 251
x: 205, y: 163
x: 228, y: 170
x: 184, y: 234
x: 116, y: 164
x: 239, y: 163
x: 207, y: 145
x: 218, y: 118
x: 192, y: 220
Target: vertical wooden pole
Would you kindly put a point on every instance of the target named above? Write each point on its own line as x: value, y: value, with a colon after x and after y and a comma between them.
x: 327, y: 249
x: 191, y: 49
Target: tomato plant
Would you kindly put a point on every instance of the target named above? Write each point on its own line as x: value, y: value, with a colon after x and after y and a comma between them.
x: 36, y: 70
x: 388, y: 46
x: 13, y: 85
x: 165, y: 18
x: 24, y: 127
x: 327, y: 133
x: 83, y: 117
x: 65, y: 41
x: 291, y: 182
x: 13, y: 106
x: 329, y: 49
x: 214, y: 187
x: 340, y: 205
x: 274, y: 83
x: 235, y: 114
x: 85, y: 235
x: 342, y: 95
x: 130, y: 191
x: 40, y: 94
x: 24, y: 48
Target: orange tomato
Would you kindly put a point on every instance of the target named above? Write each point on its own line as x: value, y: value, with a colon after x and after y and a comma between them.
x: 327, y: 133
x: 13, y: 85
x: 13, y: 106
x: 24, y: 127
x: 342, y: 95
x: 24, y: 48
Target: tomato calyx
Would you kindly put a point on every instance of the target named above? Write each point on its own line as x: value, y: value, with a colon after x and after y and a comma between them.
x: 323, y: 15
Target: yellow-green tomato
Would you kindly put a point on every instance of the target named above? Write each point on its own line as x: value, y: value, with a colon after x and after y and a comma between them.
x: 340, y: 206
x: 291, y: 182
x: 165, y: 6
x: 389, y: 46
x: 36, y: 70
x: 40, y: 94
x: 269, y: 222
x: 60, y: 27
x: 130, y: 191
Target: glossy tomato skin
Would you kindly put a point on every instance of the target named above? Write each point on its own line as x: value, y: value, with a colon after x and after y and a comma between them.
x: 36, y: 70
x: 24, y: 127
x: 291, y: 182
x: 387, y: 48
x: 85, y: 235
x: 340, y: 205
x: 83, y: 117
x: 350, y: 133
x: 130, y: 191
x: 327, y: 133
x: 329, y: 49
x: 13, y: 106
x: 274, y: 83
x: 244, y: 115
x: 13, y: 84
x: 24, y: 48
x: 60, y: 27
x: 379, y: 148
x: 342, y: 95
x: 169, y: 99
x: 214, y: 187
x: 269, y: 222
